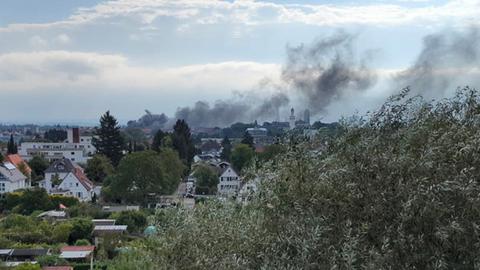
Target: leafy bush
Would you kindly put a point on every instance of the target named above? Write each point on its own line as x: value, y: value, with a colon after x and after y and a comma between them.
x: 136, y: 221
x: 397, y: 189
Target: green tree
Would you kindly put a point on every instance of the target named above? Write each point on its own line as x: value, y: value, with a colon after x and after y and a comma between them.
x: 158, y: 140
x: 207, y: 180
x: 108, y: 141
x: 140, y: 174
x: 182, y: 142
x: 242, y: 156
x: 55, y: 135
x: 38, y: 164
x: 33, y: 199
x: 81, y: 229
x: 227, y: 149
x: 51, y: 260
x: 136, y: 221
x: 98, y: 167
x: 272, y: 151
x: 61, y: 232
x: 248, y: 140
x: 11, y: 146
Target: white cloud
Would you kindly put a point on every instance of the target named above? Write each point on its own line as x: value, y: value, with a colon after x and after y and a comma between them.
x: 61, y: 69
x: 37, y: 42
x: 63, y: 39
x: 261, y: 12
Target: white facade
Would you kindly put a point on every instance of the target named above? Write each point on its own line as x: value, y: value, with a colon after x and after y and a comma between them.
x: 229, y: 182
x: 78, y: 150
x: 71, y: 178
x: 75, y: 188
x: 11, y: 179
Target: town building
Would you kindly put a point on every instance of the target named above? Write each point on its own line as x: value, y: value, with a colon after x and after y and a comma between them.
x: 11, y: 178
x: 291, y: 119
x: 64, y: 177
x: 76, y: 148
x: 229, y: 182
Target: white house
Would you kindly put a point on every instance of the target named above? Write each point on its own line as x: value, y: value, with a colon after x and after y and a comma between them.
x: 11, y: 178
x: 76, y: 148
x: 248, y: 190
x: 229, y: 182
x: 64, y: 177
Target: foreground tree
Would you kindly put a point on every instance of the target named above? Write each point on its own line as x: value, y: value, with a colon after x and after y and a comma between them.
x: 158, y: 140
x: 108, y: 141
x: 248, y: 140
x: 396, y: 191
x: 98, y: 167
x: 143, y: 173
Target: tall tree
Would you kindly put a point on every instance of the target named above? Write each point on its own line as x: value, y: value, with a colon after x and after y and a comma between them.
x: 248, y: 140
x: 183, y: 142
x: 109, y: 142
x: 157, y: 142
x: 11, y: 146
x: 38, y: 164
x: 227, y: 149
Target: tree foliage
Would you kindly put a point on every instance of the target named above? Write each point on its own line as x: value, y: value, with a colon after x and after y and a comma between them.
x: 142, y: 173
x: 98, y: 167
x: 55, y: 135
x: 108, y: 141
x: 11, y: 146
x: 182, y: 142
x: 242, y: 156
x: 227, y: 149
x: 207, y: 180
x: 398, y: 189
x: 38, y: 164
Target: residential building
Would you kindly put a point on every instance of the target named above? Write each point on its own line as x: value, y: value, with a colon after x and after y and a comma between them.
x: 229, y: 182
x: 76, y: 148
x: 78, y: 253
x: 20, y: 164
x: 64, y: 177
x: 11, y: 178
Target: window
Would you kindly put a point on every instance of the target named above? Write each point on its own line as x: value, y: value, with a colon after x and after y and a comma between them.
x: 76, y: 184
x: 73, y: 153
x: 79, y: 194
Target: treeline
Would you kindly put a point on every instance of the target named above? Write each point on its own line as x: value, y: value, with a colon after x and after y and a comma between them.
x: 397, y: 189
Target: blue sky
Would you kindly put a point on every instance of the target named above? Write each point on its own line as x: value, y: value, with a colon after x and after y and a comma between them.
x: 69, y: 61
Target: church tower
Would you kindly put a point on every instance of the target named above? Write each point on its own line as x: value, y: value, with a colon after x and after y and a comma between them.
x: 292, y: 119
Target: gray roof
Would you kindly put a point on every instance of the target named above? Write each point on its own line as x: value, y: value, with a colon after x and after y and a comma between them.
x: 29, y: 252
x: 63, y: 165
x: 11, y: 174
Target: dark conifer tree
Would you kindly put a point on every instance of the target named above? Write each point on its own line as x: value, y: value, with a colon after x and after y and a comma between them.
x: 248, y: 140
x: 109, y: 142
x: 11, y: 146
x: 227, y: 149
x: 182, y: 142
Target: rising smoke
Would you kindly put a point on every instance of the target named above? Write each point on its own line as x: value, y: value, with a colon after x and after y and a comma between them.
x: 328, y: 70
x: 448, y: 59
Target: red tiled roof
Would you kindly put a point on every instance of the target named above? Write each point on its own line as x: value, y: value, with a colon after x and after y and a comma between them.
x: 16, y: 160
x: 57, y: 268
x: 77, y: 248
x: 83, y: 178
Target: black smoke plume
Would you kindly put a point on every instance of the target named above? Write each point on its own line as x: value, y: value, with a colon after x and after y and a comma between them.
x: 448, y: 60
x: 326, y: 71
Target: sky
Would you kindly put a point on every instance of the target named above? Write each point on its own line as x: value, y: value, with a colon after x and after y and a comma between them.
x: 70, y: 61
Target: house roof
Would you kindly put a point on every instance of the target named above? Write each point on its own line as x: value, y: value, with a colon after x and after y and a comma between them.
x: 63, y: 165
x: 29, y: 252
x: 229, y: 171
x: 53, y: 213
x: 77, y: 248
x: 11, y: 173
x: 78, y: 172
x: 99, y: 229
x: 16, y: 160
x: 57, y: 268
